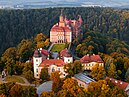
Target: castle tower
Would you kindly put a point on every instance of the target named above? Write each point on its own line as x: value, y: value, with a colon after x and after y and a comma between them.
x: 61, y: 20
x: 68, y: 58
x: 37, y: 59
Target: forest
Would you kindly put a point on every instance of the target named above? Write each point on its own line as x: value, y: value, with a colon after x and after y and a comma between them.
x: 16, y: 25
x: 105, y: 32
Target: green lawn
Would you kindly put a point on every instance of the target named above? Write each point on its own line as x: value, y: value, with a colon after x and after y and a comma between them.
x: 14, y: 79
x: 58, y: 47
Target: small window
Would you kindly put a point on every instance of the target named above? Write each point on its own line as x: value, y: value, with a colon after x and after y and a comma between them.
x: 37, y: 74
x: 59, y: 69
x: 53, y: 69
x: 37, y: 64
x: 36, y: 60
x: 68, y: 60
x: 37, y: 70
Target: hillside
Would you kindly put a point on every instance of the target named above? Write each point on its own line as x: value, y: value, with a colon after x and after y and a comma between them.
x: 16, y: 25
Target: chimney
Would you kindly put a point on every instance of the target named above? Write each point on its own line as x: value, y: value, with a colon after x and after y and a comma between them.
x: 87, y: 54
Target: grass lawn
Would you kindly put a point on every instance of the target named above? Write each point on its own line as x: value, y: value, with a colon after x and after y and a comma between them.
x: 14, y: 78
x: 58, y: 47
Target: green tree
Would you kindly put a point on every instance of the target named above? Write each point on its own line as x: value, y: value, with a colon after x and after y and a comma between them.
x: 97, y: 72
x: 44, y: 73
x: 77, y: 66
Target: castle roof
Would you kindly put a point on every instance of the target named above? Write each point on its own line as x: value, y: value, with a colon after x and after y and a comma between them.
x: 44, y: 52
x: 63, y: 52
x: 36, y: 54
x: 92, y: 58
x: 56, y: 28
x: 48, y: 62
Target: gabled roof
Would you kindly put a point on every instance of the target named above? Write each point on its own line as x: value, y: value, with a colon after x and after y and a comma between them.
x: 120, y: 84
x: 48, y: 62
x: 56, y: 28
x: 92, y: 58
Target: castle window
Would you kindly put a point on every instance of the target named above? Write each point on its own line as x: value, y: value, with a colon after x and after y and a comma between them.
x: 53, y: 69
x: 37, y: 70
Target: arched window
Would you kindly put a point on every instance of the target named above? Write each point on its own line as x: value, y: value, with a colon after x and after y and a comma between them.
x: 53, y: 69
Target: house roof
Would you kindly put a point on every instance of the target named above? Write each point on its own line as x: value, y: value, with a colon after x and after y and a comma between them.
x: 63, y: 52
x: 48, y: 62
x: 120, y: 84
x: 45, y: 52
x: 56, y: 28
x: 92, y: 58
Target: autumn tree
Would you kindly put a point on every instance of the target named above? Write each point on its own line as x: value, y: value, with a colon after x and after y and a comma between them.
x: 126, y: 64
x: 44, y: 73
x: 71, y: 89
x: 112, y: 71
x: 25, y: 50
x: 47, y: 94
x: 29, y: 75
x: 56, y: 81
x: 40, y: 37
x: 97, y: 72
x: 16, y: 91
x: 103, y: 88
x: 29, y: 91
x: 69, y: 69
x: 8, y: 58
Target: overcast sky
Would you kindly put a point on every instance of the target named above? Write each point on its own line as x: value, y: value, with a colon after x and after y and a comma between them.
x: 22, y: 1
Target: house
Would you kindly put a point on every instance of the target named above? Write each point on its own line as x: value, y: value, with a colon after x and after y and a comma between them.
x: 65, y: 30
x: 88, y: 61
x: 123, y: 85
x: 41, y: 59
x: 53, y: 65
x: 83, y: 80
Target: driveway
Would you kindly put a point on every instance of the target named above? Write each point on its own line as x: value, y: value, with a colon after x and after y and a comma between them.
x: 46, y: 86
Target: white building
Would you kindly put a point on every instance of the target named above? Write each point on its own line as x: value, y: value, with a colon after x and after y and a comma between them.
x: 40, y: 59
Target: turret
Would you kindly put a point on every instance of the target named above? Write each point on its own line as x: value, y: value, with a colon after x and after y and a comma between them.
x: 37, y: 59
x: 61, y: 20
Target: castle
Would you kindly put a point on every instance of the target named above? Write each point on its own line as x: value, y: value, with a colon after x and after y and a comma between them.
x: 62, y: 32
x: 65, y: 30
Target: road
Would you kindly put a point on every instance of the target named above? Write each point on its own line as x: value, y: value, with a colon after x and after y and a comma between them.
x: 46, y: 86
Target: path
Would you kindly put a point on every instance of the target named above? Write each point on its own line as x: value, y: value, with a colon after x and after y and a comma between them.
x: 50, y: 47
x: 46, y: 86
x: 25, y: 80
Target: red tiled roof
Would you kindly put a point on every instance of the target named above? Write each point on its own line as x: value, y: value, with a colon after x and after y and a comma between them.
x: 56, y: 28
x: 118, y: 83
x: 63, y: 52
x: 49, y: 62
x: 45, y: 52
x: 92, y: 58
